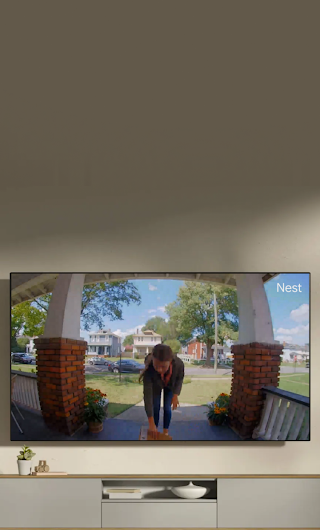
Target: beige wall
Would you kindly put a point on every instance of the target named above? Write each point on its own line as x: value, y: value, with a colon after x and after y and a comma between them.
x: 282, y: 243
x: 223, y: 131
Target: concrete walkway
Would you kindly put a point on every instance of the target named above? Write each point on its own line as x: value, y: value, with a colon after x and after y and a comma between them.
x: 185, y: 412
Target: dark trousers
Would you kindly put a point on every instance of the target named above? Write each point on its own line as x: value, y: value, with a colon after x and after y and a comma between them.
x: 166, y: 407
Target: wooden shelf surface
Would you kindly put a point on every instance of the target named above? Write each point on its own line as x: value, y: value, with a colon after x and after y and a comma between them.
x: 177, y: 500
x: 157, y: 477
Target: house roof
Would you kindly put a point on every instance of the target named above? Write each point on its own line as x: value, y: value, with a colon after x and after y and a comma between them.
x: 195, y: 341
x: 103, y: 332
x: 146, y: 333
x: 28, y: 286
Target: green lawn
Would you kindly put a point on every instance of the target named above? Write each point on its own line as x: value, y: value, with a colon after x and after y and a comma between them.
x: 200, y: 392
x: 296, y: 383
x: 194, y: 363
x: 298, y: 365
x: 24, y: 367
x: 121, y: 394
x: 114, y: 359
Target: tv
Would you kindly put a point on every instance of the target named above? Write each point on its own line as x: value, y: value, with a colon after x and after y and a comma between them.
x: 160, y: 357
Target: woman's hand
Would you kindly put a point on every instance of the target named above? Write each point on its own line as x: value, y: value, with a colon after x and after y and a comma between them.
x: 175, y: 401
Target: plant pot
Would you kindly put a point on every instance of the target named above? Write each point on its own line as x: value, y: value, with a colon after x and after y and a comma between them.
x: 95, y: 426
x: 25, y: 467
x: 213, y: 423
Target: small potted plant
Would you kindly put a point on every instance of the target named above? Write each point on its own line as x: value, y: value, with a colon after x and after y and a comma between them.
x: 218, y: 410
x: 95, y: 409
x: 25, y: 460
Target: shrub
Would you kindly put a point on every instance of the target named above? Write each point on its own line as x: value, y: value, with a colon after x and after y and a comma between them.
x: 218, y: 410
x: 94, y: 406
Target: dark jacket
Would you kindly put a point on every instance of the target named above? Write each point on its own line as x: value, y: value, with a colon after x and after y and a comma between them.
x: 153, y: 384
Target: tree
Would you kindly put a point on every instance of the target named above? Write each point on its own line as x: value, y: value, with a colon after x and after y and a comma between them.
x: 193, y: 313
x: 128, y: 341
x: 174, y: 344
x: 18, y: 345
x: 28, y: 318
x: 167, y: 330
x: 98, y: 301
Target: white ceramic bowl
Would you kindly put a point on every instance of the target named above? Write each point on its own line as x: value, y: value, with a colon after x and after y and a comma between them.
x: 189, y: 492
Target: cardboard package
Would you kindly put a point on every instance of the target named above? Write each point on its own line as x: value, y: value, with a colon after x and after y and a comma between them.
x: 144, y: 435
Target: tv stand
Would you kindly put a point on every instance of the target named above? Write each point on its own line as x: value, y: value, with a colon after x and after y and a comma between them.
x: 80, y: 501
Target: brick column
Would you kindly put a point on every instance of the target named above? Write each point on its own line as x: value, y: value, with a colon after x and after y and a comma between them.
x: 255, y: 365
x: 61, y: 382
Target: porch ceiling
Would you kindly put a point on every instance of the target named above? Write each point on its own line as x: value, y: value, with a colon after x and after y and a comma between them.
x: 27, y: 286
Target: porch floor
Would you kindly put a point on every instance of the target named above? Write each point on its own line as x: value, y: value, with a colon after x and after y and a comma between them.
x: 116, y: 429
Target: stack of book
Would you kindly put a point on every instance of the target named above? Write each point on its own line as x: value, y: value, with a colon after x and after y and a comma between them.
x: 48, y: 473
x: 120, y: 493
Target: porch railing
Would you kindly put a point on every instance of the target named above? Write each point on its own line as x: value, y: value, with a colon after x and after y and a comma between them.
x: 25, y: 390
x: 285, y: 416
x: 184, y: 358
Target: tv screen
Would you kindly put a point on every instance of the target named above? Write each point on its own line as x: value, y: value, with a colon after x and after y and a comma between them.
x: 154, y: 357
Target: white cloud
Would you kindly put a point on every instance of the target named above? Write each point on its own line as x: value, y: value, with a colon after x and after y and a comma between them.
x: 152, y: 287
x: 282, y: 338
x: 166, y: 319
x: 301, y: 314
x: 298, y: 330
x: 162, y: 308
x: 130, y: 331
x: 152, y: 310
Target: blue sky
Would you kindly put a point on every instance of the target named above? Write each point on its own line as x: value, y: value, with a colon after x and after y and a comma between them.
x: 289, y: 310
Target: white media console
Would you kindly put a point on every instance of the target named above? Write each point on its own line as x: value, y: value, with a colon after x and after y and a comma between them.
x: 81, y: 502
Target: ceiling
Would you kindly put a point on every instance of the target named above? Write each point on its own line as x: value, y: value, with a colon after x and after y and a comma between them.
x: 28, y: 286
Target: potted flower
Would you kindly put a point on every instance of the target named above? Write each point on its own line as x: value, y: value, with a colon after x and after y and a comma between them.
x: 25, y: 460
x: 218, y: 410
x: 95, y: 409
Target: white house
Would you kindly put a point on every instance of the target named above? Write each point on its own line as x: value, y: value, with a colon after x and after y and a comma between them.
x: 144, y: 341
x: 104, y: 342
x: 30, y: 347
x: 289, y: 355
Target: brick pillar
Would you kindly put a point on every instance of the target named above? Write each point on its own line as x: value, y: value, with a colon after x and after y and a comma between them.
x: 255, y: 365
x: 61, y: 382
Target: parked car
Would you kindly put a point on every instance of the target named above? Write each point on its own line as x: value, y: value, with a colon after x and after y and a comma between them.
x: 307, y: 364
x: 99, y: 360
x: 127, y: 365
x: 23, y: 358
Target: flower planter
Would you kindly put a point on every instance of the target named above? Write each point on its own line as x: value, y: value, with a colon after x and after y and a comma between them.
x: 25, y: 467
x: 216, y: 423
x: 95, y: 426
